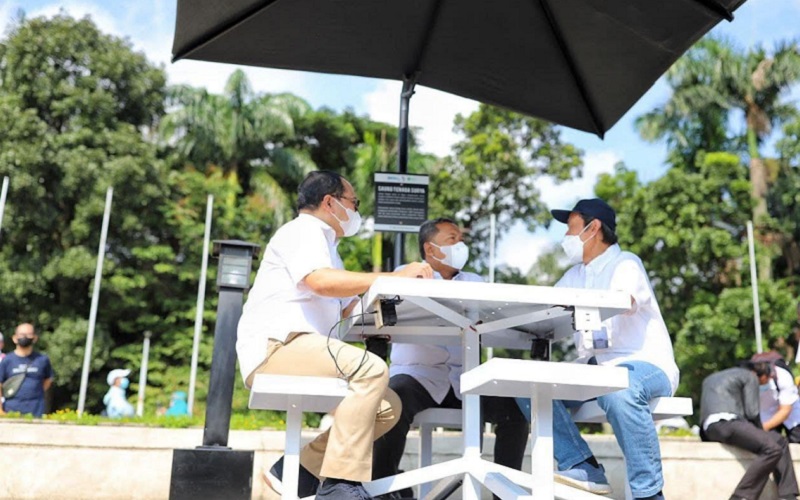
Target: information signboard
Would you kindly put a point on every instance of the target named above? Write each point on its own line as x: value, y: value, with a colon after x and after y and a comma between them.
x: 401, y: 201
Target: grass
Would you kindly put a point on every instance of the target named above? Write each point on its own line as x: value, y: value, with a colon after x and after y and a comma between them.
x: 247, y: 421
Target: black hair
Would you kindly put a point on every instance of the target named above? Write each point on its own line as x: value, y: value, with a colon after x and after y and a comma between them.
x: 609, y: 236
x: 761, y: 368
x: 316, y: 185
x: 428, y: 230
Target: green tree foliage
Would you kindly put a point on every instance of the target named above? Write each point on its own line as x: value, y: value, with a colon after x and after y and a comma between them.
x: 716, y: 82
x: 75, y: 106
x: 689, y: 229
x: 784, y: 202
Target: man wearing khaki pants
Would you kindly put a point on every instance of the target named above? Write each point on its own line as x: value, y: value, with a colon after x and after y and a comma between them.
x: 300, y: 294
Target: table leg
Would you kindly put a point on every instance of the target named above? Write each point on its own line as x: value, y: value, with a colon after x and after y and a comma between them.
x: 542, y: 443
x: 291, y: 458
x: 471, y: 414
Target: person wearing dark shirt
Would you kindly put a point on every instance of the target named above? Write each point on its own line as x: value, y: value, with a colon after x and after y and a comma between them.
x: 729, y: 412
x: 35, y: 369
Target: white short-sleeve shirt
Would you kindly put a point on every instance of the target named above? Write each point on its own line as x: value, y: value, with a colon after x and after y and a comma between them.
x: 436, y: 368
x: 782, y: 394
x: 640, y: 334
x: 279, y: 302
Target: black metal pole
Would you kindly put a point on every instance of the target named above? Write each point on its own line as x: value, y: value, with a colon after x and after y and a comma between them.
x: 402, y: 157
x: 213, y: 470
x: 223, y: 367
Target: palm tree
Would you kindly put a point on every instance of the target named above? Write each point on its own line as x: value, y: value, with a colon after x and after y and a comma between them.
x: 244, y: 134
x: 715, y: 84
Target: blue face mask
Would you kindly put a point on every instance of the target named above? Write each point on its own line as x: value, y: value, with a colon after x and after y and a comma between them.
x: 124, y: 383
x: 763, y: 387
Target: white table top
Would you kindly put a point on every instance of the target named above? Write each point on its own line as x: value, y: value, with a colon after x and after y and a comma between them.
x: 546, y: 307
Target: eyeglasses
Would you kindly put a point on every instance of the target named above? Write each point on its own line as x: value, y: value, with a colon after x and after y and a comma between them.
x: 354, y: 201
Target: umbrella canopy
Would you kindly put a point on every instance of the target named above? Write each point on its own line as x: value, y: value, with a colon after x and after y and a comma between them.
x: 579, y: 63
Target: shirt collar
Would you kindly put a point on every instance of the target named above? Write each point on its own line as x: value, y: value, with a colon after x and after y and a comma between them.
x: 328, y: 231
x: 599, y: 263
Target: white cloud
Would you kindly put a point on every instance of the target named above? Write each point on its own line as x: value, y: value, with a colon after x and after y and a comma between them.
x: 79, y: 9
x: 521, y: 248
x: 214, y: 75
x: 431, y: 110
x: 148, y: 26
x: 565, y: 195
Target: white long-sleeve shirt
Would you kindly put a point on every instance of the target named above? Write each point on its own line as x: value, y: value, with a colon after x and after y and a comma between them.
x: 279, y: 302
x: 436, y: 368
x: 639, y: 334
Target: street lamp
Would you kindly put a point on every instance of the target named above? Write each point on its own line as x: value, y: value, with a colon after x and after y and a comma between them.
x: 214, y: 470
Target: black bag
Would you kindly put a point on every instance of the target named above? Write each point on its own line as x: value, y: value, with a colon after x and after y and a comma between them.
x: 12, y: 385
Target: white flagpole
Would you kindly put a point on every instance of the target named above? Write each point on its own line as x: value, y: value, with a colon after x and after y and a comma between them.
x: 754, y: 281
x: 143, y: 374
x: 3, y: 195
x: 98, y: 275
x: 201, y: 299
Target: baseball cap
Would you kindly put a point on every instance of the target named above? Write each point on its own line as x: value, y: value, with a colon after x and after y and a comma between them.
x: 115, y: 374
x: 594, y: 207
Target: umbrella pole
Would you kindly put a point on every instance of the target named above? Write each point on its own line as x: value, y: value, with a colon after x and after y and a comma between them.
x: 402, y: 157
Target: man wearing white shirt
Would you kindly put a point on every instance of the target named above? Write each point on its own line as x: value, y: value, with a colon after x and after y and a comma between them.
x: 637, y: 340
x: 779, y: 400
x: 300, y: 295
x: 729, y: 414
x: 427, y: 376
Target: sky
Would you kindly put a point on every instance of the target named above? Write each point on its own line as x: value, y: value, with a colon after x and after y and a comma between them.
x: 150, y: 24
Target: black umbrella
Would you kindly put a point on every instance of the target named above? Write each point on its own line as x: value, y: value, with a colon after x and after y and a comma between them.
x: 579, y: 63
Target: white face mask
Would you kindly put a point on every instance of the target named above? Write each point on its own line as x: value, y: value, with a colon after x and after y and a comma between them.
x: 573, y: 246
x: 353, y: 222
x: 455, y: 256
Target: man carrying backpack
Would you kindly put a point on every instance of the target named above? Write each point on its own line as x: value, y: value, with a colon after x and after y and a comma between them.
x: 778, y: 396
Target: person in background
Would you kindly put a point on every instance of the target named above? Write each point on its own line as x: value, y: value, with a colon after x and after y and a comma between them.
x: 778, y: 397
x: 177, y: 405
x: 117, y: 405
x: 2, y: 345
x: 29, y: 371
x: 729, y: 414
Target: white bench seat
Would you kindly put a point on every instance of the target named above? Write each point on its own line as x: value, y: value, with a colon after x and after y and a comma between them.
x: 662, y: 408
x: 295, y: 395
x: 427, y: 420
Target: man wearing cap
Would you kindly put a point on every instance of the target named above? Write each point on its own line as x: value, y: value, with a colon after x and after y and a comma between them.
x: 28, y: 372
x: 117, y: 406
x: 637, y: 340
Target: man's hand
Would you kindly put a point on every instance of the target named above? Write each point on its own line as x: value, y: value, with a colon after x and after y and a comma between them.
x: 416, y: 270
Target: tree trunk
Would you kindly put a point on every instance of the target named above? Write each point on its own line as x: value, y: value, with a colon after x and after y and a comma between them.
x: 758, y: 182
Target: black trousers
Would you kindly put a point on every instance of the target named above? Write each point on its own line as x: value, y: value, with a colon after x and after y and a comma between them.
x: 772, y: 452
x: 511, y: 427
x: 792, y: 435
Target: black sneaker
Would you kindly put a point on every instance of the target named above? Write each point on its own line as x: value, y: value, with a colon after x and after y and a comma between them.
x: 307, y: 484
x: 340, y: 489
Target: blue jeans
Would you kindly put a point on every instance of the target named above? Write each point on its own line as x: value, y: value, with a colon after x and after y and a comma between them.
x: 629, y: 415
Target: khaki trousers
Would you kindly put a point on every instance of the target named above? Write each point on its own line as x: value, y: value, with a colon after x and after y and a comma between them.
x: 368, y: 412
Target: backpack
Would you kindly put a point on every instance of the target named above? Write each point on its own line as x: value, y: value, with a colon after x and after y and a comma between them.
x: 774, y: 359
